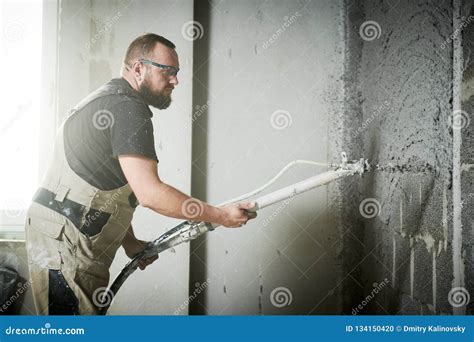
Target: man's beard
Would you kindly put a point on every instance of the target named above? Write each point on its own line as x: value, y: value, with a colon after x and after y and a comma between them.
x: 154, y: 99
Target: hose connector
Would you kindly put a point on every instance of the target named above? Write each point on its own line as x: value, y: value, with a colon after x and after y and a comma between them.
x: 356, y: 166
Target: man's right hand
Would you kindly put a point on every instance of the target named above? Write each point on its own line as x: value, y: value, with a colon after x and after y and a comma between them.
x: 236, y: 215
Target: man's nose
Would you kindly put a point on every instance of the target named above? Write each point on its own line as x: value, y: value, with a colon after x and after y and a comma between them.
x: 174, y: 80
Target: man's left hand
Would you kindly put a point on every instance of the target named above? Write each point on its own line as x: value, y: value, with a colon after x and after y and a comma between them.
x: 132, y: 248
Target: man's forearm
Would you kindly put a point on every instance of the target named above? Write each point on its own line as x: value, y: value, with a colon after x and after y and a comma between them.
x: 169, y: 201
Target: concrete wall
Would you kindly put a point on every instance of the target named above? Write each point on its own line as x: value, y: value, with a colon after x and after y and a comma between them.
x: 466, y: 151
x: 409, y: 238
x: 407, y: 88
x: 268, y: 81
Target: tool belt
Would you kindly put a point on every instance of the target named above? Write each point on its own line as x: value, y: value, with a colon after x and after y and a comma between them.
x: 93, y: 219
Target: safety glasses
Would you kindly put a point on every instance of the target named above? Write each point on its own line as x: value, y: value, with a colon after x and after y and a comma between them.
x: 170, y: 70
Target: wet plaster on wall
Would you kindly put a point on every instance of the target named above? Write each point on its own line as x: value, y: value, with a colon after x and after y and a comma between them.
x: 458, y: 257
x: 467, y: 150
x: 408, y: 75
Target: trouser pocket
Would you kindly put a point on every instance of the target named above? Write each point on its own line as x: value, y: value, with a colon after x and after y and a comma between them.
x: 43, y: 239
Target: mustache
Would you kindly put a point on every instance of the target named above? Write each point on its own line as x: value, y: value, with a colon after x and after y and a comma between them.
x: 154, y: 99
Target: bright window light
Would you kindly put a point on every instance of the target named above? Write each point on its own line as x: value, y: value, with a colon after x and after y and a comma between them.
x: 20, y: 58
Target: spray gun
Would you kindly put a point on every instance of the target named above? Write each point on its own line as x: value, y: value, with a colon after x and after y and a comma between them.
x: 190, y: 230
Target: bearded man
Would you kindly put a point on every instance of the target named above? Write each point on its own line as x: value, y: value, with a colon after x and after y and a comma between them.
x: 104, y: 165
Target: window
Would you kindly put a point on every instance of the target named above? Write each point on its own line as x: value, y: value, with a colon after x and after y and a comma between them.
x: 20, y: 59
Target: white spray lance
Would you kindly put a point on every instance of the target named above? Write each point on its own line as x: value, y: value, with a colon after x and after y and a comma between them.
x: 190, y: 230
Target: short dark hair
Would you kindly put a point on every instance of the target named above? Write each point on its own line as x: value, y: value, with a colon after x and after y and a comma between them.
x: 142, y: 46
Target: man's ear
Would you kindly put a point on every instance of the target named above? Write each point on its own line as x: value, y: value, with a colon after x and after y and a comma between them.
x: 138, y: 71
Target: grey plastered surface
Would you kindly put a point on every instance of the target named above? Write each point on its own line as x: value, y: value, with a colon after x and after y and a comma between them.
x: 467, y: 149
x: 249, y: 78
x: 410, y: 241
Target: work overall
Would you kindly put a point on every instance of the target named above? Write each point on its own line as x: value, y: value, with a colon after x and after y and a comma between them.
x: 73, y: 231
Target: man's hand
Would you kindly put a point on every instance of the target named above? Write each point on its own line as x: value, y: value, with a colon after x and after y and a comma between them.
x: 133, y: 247
x: 236, y: 215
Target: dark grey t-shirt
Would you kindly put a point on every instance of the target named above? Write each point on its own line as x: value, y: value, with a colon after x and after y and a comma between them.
x: 92, y: 151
